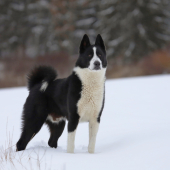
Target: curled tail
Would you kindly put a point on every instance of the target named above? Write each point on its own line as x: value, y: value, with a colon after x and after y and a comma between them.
x: 41, y: 74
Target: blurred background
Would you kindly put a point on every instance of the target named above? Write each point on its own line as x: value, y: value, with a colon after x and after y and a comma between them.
x: 33, y: 32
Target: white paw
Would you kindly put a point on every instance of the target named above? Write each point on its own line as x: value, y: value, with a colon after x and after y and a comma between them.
x: 90, y: 150
x: 70, y: 151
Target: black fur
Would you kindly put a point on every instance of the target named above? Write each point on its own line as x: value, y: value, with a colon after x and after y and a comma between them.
x: 56, y: 130
x: 58, y: 100
x: 99, y: 42
x: 84, y: 43
x: 39, y: 74
x: 98, y: 119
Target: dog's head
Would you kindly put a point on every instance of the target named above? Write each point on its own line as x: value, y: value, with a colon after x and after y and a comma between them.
x: 92, y: 57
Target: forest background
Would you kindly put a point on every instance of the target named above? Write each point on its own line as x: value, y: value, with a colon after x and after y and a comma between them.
x: 33, y: 32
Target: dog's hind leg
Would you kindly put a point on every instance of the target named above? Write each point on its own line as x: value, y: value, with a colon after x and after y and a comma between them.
x: 33, y: 119
x: 30, y: 129
x: 26, y: 136
x: 56, y: 129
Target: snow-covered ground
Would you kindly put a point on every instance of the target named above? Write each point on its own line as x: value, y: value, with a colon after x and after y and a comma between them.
x: 134, y: 133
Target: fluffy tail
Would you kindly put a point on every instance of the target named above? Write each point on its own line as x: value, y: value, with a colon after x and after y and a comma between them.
x: 41, y: 74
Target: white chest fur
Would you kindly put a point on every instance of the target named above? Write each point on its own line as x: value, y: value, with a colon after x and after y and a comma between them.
x: 92, y: 93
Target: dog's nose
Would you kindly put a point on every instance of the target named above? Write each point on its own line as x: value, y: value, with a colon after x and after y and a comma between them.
x: 97, y: 63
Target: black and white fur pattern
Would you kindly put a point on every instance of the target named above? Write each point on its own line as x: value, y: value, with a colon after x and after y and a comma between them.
x: 78, y: 98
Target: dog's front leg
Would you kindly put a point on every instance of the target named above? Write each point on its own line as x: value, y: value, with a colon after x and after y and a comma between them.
x: 72, y: 126
x: 93, y: 129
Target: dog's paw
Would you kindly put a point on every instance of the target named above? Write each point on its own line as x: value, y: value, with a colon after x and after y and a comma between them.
x: 52, y: 144
x: 70, y: 150
x: 90, y: 150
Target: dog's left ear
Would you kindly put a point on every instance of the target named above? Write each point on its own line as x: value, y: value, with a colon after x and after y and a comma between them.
x: 85, y: 42
x: 99, y: 42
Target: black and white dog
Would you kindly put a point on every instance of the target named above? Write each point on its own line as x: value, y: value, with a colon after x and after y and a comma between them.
x: 78, y: 98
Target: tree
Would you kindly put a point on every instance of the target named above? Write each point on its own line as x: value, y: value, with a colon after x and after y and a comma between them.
x: 84, y: 20
x: 25, y: 25
x: 132, y: 29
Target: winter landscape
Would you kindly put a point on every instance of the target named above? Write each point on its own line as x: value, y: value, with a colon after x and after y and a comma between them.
x: 134, y: 133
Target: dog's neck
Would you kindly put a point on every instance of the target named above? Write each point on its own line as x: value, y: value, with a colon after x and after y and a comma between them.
x: 92, y: 77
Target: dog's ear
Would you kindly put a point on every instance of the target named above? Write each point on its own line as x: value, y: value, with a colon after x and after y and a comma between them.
x: 85, y: 42
x: 99, y: 42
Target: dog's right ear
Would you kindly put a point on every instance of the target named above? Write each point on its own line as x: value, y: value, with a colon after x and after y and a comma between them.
x: 85, y: 42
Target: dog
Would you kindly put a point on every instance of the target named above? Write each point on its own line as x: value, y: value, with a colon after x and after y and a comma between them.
x: 77, y: 98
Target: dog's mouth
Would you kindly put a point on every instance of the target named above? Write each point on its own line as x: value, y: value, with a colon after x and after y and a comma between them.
x: 97, y: 68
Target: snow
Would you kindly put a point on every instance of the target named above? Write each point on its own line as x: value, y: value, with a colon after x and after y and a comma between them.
x: 136, y: 12
x: 141, y: 29
x: 153, y: 6
x: 38, y: 29
x: 159, y: 19
x: 107, y: 11
x: 134, y: 133
x: 162, y: 36
x: 13, y: 39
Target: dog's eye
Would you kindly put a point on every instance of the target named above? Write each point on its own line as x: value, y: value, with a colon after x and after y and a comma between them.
x: 90, y: 55
x: 99, y: 54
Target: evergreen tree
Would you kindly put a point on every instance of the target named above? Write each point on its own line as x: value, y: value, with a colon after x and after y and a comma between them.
x: 85, y: 12
x: 132, y: 29
x: 13, y: 26
x: 24, y: 25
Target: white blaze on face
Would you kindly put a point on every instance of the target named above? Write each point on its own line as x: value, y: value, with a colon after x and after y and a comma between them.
x: 95, y: 58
